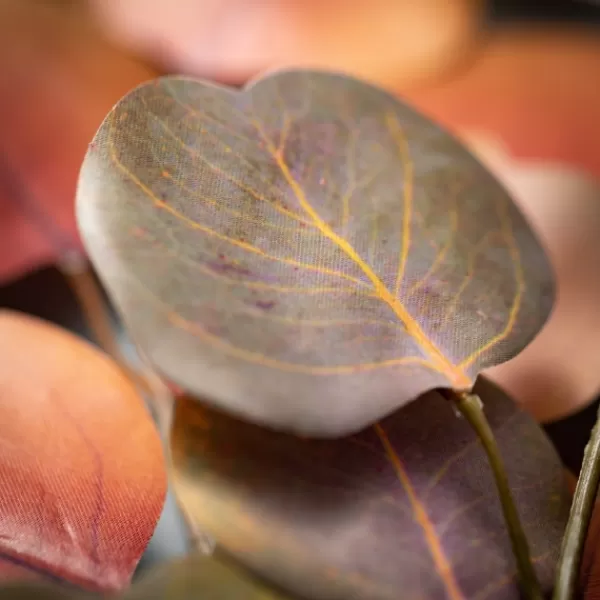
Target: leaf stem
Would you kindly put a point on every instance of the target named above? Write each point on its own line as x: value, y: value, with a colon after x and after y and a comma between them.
x: 471, y: 408
x: 80, y: 277
x: 579, y: 519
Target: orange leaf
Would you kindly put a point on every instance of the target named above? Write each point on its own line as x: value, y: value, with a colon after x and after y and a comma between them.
x: 81, y: 467
x: 58, y: 80
x: 536, y: 88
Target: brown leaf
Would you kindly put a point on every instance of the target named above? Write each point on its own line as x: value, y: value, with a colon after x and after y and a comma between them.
x: 59, y: 77
x: 81, y: 466
x: 209, y: 578
x: 405, y: 509
x: 190, y: 578
x: 308, y: 238
x: 399, y: 41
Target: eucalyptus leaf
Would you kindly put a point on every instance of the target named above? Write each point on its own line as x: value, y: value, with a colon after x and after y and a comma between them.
x: 404, y: 509
x: 195, y: 577
x: 308, y: 253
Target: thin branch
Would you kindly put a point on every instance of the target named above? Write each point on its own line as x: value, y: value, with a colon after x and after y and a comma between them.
x: 80, y: 277
x: 471, y: 408
x: 571, y: 552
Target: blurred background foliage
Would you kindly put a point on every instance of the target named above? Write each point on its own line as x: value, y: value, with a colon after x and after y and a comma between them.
x: 34, y: 286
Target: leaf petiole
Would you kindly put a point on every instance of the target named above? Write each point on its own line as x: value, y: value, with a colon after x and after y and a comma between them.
x: 579, y: 519
x: 471, y: 408
x: 80, y: 277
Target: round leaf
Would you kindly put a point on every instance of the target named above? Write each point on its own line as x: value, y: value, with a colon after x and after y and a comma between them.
x: 405, y: 509
x: 309, y: 237
x: 81, y: 463
x: 191, y: 578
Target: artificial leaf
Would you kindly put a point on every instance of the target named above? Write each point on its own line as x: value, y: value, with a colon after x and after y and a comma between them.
x: 397, y: 41
x: 309, y: 253
x: 51, y: 54
x: 197, y: 576
x: 190, y: 578
x: 405, y: 509
x: 81, y: 468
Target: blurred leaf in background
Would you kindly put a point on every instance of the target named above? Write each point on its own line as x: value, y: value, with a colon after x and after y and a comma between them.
x: 408, y: 504
x: 58, y: 79
x: 81, y: 465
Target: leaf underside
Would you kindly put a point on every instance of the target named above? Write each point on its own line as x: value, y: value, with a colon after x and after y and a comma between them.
x: 404, y: 509
x: 309, y: 237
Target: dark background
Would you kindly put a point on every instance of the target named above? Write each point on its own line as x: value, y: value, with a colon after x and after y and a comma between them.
x: 580, y: 11
x: 46, y: 294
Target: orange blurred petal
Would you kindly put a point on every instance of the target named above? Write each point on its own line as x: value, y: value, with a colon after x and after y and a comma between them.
x: 81, y: 467
x: 59, y: 79
x: 232, y: 40
x: 536, y: 88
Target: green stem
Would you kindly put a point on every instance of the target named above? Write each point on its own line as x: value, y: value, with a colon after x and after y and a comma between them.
x: 471, y: 408
x: 567, y: 577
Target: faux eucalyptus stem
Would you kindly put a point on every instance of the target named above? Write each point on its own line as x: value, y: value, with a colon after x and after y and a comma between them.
x: 579, y: 519
x: 94, y: 307
x: 95, y: 310
x: 471, y: 408
x: 79, y: 275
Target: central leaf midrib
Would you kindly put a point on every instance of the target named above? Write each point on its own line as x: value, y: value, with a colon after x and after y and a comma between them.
x: 455, y: 375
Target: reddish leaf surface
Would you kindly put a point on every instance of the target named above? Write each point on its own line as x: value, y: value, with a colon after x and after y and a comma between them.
x: 309, y: 237
x: 81, y: 467
x: 58, y: 80
x: 530, y: 108
x: 406, y: 508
